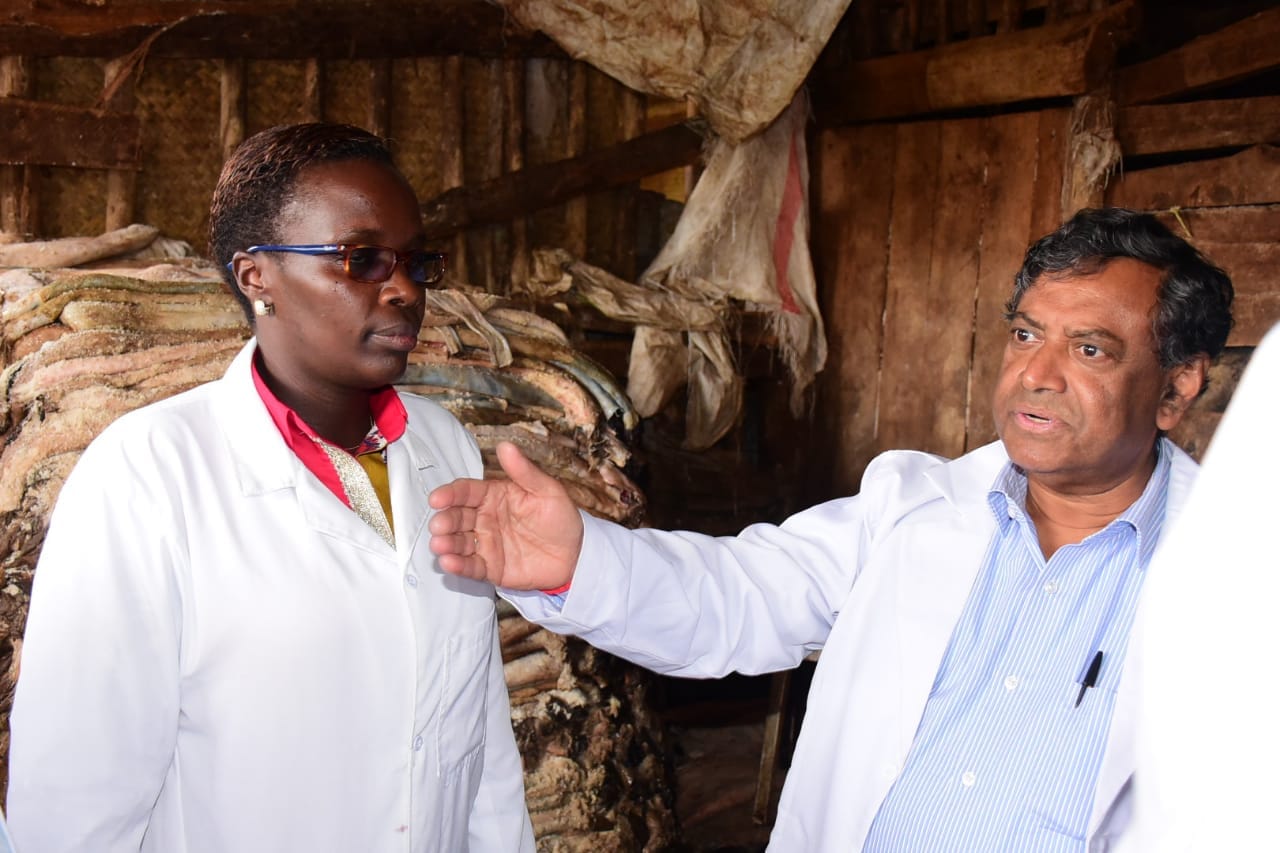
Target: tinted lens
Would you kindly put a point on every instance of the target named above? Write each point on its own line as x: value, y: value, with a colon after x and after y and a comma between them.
x: 370, y: 263
x: 424, y: 267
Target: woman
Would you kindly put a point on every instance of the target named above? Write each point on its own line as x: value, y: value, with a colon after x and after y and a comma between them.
x: 238, y: 638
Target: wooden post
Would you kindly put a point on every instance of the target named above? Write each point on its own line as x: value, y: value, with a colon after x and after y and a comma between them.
x: 18, y: 206
x: 313, y: 90
x: 233, y: 104
x: 576, y: 210
x: 1010, y: 16
x: 1092, y: 151
x: 378, y: 119
x: 451, y: 129
x: 122, y: 185
x: 631, y: 121
x: 513, y: 161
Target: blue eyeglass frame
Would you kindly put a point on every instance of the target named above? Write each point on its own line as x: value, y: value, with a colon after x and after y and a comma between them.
x: 345, y: 249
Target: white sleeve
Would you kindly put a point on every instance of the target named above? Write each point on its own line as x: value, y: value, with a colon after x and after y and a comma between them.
x: 96, y: 706
x: 699, y: 606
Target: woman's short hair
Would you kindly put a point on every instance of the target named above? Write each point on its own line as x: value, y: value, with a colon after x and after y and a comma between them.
x: 259, y: 179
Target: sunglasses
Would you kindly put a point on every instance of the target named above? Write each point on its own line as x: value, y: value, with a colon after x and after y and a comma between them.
x: 372, y: 264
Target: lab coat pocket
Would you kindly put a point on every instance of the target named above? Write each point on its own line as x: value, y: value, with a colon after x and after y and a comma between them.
x: 463, y: 698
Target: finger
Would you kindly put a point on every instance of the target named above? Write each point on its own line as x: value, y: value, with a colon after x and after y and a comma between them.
x: 467, y: 567
x: 460, y: 492
x: 452, y: 520
x: 463, y: 543
x: 522, y: 472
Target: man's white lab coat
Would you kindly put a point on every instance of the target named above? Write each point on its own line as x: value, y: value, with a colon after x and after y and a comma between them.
x: 221, y: 656
x: 877, y: 581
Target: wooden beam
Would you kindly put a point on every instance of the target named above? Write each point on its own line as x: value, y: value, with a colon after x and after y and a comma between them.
x: 270, y: 29
x: 521, y: 193
x: 1240, y: 50
x: 1055, y: 61
x: 43, y: 134
x: 1250, y: 177
x: 1198, y: 125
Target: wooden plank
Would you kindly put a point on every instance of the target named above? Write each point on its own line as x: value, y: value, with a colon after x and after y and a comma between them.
x: 1244, y: 224
x: 44, y: 134
x: 378, y: 107
x: 546, y: 184
x: 1250, y: 177
x: 1054, y: 127
x: 906, y: 413
x: 1252, y: 267
x: 1235, y: 52
x: 942, y: 402
x: 853, y: 193
x: 270, y: 29
x: 1198, y: 125
x: 1064, y: 59
x: 1008, y: 200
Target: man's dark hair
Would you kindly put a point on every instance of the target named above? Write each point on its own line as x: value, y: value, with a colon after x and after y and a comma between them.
x: 1193, y: 313
x: 259, y: 179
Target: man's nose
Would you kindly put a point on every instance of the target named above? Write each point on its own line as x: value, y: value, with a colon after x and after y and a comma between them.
x: 1043, y: 370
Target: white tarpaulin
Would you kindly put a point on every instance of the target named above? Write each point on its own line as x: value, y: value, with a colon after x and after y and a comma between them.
x: 739, y: 61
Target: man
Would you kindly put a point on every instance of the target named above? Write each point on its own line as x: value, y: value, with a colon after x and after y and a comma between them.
x: 973, y: 614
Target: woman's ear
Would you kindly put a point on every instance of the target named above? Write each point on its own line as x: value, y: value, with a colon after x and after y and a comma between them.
x: 248, y: 275
x: 1183, y: 386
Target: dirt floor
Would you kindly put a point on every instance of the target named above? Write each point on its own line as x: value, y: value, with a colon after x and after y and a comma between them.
x: 717, y: 731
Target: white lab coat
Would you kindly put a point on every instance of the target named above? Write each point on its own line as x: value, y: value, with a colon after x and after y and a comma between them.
x: 877, y: 581
x: 221, y: 656
x: 1209, y: 744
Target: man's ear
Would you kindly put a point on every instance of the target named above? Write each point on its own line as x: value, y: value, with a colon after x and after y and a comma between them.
x: 1182, y: 386
x: 248, y: 275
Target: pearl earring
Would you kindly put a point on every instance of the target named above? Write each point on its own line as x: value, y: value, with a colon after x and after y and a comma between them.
x: 263, y: 309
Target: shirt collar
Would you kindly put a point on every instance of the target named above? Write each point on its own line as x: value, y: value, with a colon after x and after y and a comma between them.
x: 1008, y: 501
x: 389, y: 415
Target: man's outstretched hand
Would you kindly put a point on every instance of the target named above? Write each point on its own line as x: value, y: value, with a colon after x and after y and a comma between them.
x: 521, y: 533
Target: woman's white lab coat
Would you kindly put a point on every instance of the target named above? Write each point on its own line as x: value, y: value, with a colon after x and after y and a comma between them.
x: 877, y: 581
x: 221, y: 656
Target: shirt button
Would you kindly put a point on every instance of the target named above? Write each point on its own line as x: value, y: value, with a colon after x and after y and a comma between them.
x: 1050, y: 587
x: 1011, y: 682
x: 417, y: 743
x: 411, y: 580
x: 967, y: 778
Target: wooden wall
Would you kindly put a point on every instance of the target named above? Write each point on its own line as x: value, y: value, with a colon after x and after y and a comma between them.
x: 921, y: 218
x: 921, y: 227
x: 452, y: 121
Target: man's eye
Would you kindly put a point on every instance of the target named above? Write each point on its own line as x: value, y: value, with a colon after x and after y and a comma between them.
x: 1090, y: 351
x: 1021, y: 335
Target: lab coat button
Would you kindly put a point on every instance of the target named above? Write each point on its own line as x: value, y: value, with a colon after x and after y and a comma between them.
x: 417, y: 743
x: 967, y: 778
x: 411, y: 580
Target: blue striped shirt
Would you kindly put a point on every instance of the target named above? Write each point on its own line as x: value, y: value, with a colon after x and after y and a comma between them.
x: 1003, y: 759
